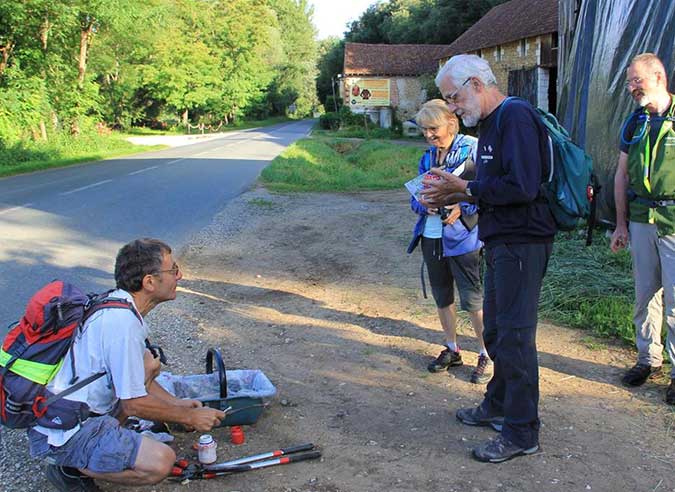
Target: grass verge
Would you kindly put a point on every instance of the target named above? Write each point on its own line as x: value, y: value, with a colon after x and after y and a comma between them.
x: 320, y: 164
x: 374, y: 133
x: 237, y: 125
x: 64, y: 151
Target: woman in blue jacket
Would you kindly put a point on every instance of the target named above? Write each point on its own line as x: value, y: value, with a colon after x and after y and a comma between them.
x: 450, y: 246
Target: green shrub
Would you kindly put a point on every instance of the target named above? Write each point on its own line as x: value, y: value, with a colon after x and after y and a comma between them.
x: 331, y: 103
x: 330, y: 121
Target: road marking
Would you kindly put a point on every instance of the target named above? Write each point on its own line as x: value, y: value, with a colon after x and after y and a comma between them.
x: 174, y: 161
x: 143, y: 170
x: 86, y: 187
x: 18, y: 207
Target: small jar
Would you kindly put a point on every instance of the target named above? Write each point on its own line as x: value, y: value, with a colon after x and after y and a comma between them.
x: 207, y: 449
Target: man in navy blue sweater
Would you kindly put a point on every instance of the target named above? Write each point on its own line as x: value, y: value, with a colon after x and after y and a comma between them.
x: 517, y: 227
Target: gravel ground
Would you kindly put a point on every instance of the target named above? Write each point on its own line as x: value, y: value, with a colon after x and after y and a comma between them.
x: 316, y: 290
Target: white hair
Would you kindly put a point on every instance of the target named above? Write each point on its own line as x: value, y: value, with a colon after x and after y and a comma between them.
x: 462, y: 67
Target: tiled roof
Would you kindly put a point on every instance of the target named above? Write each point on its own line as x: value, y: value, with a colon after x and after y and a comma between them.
x: 510, y: 21
x: 392, y: 59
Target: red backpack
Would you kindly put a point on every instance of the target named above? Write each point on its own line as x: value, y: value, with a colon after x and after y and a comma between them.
x: 35, y: 349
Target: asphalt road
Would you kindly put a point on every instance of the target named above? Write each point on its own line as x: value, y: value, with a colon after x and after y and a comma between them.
x: 69, y: 223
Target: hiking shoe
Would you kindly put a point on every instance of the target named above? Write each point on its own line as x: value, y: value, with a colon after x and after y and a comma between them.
x: 66, y: 479
x: 477, y: 416
x: 500, y: 449
x: 638, y: 374
x: 670, y: 393
x: 447, y: 358
x: 481, y: 374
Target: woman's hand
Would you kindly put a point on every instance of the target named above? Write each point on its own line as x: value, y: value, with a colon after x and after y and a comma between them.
x: 454, y: 212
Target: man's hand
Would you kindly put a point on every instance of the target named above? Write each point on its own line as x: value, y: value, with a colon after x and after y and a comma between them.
x: 455, y: 212
x: 619, y: 238
x: 203, y: 419
x: 439, y: 191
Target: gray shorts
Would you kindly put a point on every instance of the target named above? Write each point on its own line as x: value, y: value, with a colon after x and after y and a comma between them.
x: 101, y: 445
x: 446, y: 271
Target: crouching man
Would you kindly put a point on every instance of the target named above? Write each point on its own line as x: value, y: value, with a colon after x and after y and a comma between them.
x: 113, y: 340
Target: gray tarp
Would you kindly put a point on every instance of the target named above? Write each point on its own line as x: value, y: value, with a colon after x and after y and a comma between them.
x: 597, y: 39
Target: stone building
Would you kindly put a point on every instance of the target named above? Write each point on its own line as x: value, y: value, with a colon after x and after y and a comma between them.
x: 520, y: 41
x: 392, y: 77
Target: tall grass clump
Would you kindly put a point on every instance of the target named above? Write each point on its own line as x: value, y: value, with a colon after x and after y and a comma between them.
x: 589, y: 287
x: 319, y: 165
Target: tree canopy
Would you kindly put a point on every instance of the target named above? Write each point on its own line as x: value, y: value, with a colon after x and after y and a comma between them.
x: 68, y: 63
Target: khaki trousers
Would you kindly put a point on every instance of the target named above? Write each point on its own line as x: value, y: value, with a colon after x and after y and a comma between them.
x: 654, y: 274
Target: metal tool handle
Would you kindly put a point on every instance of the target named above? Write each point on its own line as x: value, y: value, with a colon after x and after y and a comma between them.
x: 296, y: 449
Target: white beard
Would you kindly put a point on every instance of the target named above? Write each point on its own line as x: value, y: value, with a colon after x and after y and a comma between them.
x: 470, y: 120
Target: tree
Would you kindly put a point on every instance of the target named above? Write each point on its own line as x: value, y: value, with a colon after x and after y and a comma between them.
x: 294, y: 83
x: 417, y: 21
x: 330, y: 64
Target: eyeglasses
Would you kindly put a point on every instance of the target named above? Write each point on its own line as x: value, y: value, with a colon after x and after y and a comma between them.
x: 635, y: 81
x: 452, y: 98
x: 430, y: 129
x: 174, y: 270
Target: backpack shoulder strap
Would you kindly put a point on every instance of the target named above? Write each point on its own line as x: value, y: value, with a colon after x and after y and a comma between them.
x: 501, y: 108
x: 103, y: 301
x: 110, y: 303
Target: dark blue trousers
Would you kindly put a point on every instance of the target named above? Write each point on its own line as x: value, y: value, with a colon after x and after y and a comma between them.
x: 513, y: 278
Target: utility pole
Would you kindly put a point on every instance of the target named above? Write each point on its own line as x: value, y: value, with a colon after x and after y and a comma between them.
x: 332, y: 86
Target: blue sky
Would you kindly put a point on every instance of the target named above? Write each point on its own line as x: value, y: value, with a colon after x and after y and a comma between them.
x: 331, y: 16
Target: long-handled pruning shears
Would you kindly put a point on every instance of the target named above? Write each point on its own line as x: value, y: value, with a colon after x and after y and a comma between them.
x: 184, y: 470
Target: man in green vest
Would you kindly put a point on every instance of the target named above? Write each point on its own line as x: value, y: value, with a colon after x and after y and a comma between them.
x: 644, y: 193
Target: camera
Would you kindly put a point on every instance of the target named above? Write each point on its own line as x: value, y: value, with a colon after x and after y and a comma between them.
x: 444, y: 213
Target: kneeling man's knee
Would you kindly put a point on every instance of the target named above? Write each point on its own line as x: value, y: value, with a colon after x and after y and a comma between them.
x: 155, y: 461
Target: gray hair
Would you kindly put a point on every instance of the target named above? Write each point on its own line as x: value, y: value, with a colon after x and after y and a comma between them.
x: 462, y: 67
x: 652, y: 61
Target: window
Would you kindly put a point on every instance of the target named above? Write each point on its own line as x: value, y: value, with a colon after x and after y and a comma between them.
x: 499, y: 53
x: 522, y: 48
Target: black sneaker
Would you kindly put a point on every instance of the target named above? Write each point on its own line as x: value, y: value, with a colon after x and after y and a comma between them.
x: 477, y: 416
x: 500, y: 449
x: 481, y: 374
x: 447, y: 358
x: 670, y: 393
x: 638, y: 374
x: 66, y: 479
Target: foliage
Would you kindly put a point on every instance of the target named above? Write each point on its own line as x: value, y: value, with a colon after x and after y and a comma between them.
x: 330, y: 64
x: 417, y: 21
x: 156, y: 63
x: 330, y: 121
x: 317, y: 164
x: 333, y: 103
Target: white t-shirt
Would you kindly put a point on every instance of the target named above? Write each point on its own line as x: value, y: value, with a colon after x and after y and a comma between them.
x: 112, y: 340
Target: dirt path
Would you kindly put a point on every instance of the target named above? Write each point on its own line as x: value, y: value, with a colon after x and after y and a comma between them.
x: 317, y: 291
